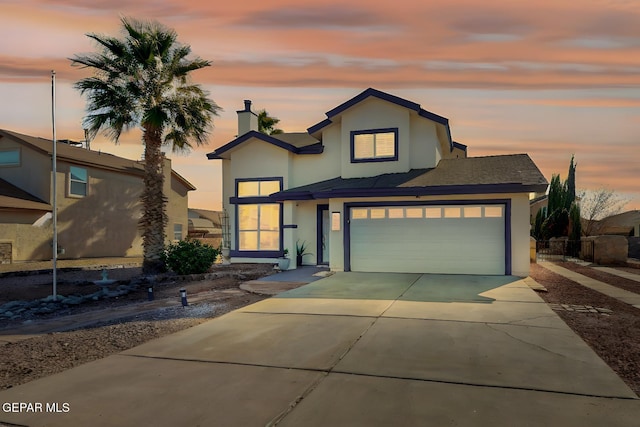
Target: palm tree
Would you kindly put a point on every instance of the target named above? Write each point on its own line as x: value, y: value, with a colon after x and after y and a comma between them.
x: 267, y: 124
x: 142, y: 80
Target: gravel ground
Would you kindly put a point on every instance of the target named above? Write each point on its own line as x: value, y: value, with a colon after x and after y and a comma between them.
x: 40, y: 356
x: 614, y: 336
x: 611, y: 279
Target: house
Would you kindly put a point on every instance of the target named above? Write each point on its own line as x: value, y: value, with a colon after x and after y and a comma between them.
x: 98, y: 199
x: 206, y: 226
x: 377, y: 186
x: 622, y: 224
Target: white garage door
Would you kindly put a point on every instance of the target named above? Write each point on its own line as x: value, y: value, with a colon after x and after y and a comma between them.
x: 453, y: 239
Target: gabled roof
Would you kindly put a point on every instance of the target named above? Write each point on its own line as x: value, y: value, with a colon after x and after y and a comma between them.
x: 86, y: 157
x: 297, y: 143
x: 370, y: 92
x: 13, y: 197
x: 476, y: 175
x: 78, y: 155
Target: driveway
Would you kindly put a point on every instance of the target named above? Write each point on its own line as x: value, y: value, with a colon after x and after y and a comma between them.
x: 370, y: 349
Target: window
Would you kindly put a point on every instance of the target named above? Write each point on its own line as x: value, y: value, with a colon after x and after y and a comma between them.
x: 10, y: 157
x: 77, y: 181
x: 374, y: 145
x: 257, y: 188
x: 259, y: 227
x: 177, y: 231
x: 258, y: 217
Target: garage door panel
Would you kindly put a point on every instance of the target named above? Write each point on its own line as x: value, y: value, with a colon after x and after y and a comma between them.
x: 428, y: 245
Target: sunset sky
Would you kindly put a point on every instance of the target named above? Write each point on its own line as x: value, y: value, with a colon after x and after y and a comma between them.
x: 549, y: 78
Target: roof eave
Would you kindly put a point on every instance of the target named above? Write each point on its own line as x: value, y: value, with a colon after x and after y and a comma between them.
x: 439, y: 190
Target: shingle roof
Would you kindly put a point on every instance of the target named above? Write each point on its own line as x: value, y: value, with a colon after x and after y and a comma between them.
x: 79, y: 155
x: 295, y: 142
x: 477, y: 175
x: 87, y: 157
x: 16, y: 198
x: 506, y: 169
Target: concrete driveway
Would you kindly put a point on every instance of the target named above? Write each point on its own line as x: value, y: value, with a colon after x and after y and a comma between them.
x: 353, y: 349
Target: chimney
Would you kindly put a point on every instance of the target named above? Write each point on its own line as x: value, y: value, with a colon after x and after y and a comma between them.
x: 247, y: 119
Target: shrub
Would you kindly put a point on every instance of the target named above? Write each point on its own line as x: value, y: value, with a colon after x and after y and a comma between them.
x: 190, y: 257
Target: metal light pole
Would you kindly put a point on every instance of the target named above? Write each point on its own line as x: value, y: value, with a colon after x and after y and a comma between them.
x: 55, y: 187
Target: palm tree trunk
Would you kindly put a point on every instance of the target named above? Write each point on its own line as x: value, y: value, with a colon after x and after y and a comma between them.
x: 154, y: 219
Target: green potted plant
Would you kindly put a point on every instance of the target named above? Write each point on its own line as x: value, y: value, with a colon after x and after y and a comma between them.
x: 301, y: 251
x: 283, y: 261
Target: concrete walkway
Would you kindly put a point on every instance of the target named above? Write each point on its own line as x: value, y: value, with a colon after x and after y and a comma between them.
x: 353, y: 349
x: 612, y: 291
x: 621, y: 273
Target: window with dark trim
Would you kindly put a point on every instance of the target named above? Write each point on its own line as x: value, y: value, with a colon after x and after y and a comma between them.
x: 375, y: 145
x: 258, y: 218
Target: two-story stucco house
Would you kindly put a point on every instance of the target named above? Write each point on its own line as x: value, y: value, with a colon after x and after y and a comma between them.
x: 98, y: 200
x: 377, y: 186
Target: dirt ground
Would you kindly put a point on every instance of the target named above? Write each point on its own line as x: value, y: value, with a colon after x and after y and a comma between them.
x: 43, y: 355
x: 614, y: 336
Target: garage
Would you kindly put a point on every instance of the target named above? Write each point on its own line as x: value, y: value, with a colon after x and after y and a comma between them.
x: 445, y: 239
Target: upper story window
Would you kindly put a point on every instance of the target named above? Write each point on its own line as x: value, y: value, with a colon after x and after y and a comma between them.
x: 10, y: 157
x: 78, y: 181
x: 257, y: 188
x: 376, y: 145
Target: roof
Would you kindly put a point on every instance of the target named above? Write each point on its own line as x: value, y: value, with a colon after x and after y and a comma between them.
x: 371, y: 92
x: 297, y: 143
x: 16, y: 198
x: 307, y: 143
x: 215, y: 217
x: 78, y: 155
x: 489, y: 170
x: 622, y: 223
x: 476, y: 175
x: 85, y: 157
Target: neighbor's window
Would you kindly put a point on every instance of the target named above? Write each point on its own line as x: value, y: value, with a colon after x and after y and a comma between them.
x: 257, y: 188
x: 259, y: 227
x: 77, y: 181
x: 177, y: 231
x: 374, y: 145
x: 10, y: 157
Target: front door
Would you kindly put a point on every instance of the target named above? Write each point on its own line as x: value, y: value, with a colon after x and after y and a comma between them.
x: 323, y: 228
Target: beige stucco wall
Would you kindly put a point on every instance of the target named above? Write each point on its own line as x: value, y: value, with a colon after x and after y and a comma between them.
x: 425, y: 149
x: 310, y: 168
x: 374, y: 113
x: 103, y: 223
x: 177, y: 207
x: 254, y: 159
x: 34, y: 173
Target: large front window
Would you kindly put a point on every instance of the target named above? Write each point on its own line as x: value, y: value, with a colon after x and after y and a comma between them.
x: 258, y: 217
x: 374, y: 145
x: 259, y: 227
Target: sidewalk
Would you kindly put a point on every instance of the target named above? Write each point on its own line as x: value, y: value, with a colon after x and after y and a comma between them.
x: 612, y: 291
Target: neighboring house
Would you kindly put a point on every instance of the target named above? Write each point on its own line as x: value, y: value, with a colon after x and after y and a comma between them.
x: 537, y: 202
x: 206, y: 226
x: 98, y: 199
x: 622, y: 224
x: 379, y: 185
